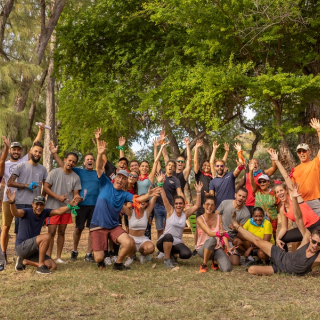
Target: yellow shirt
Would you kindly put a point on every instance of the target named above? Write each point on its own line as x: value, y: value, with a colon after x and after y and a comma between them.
x: 259, y: 231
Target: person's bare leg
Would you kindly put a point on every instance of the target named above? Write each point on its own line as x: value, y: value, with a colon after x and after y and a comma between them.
x: 234, y: 259
x: 261, y: 271
x: 50, y: 264
x: 159, y: 233
x: 52, y: 229
x: 60, y: 240
x: 43, y: 242
x: 98, y: 256
x: 27, y: 262
x: 128, y: 247
x: 89, y: 243
x: 146, y: 248
x: 76, y: 238
x: 167, y: 247
x: 206, y: 255
x: 5, y: 238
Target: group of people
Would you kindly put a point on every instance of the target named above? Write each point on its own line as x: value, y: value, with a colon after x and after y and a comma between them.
x: 232, y: 221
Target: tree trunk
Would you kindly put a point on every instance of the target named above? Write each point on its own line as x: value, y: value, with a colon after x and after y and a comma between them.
x: 173, y: 142
x: 286, y: 157
x: 4, y: 15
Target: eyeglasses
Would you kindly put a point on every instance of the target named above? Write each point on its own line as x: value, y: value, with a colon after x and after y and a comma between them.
x: 301, y: 151
x: 262, y: 181
x: 180, y: 161
x: 219, y: 165
x: 315, y: 242
x: 133, y: 175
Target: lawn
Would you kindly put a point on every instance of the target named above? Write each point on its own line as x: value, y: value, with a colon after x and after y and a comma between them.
x: 150, y: 291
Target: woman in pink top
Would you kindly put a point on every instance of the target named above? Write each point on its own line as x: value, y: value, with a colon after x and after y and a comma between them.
x: 210, y: 241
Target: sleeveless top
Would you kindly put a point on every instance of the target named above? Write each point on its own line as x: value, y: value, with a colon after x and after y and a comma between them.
x: 143, y: 186
x: 296, y: 262
x: 138, y: 224
x: 202, y: 236
x: 250, y: 197
x: 175, y: 225
x: 308, y: 216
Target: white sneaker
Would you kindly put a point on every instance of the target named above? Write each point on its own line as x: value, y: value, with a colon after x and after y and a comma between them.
x: 160, y: 255
x: 61, y: 261
x: 128, y: 261
x: 107, y: 261
x: 114, y: 259
x: 142, y: 259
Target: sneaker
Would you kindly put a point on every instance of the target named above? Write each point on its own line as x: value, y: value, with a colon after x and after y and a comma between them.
x: 249, y: 263
x: 128, y: 262
x: 142, y: 259
x: 120, y: 266
x: 194, y: 253
x: 1, y: 267
x: 74, y: 255
x: 214, y: 266
x: 203, y: 268
x: 148, y: 258
x: 19, y: 265
x: 60, y: 261
x: 43, y: 270
x: 5, y: 256
x: 101, y: 265
x: 173, y: 260
x: 168, y: 263
x: 114, y: 259
x: 107, y: 261
x: 89, y: 257
x: 160, y: 255
x: 134, y: 257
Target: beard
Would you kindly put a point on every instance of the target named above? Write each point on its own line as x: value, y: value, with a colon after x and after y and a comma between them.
x: 35, y: 160
x: 14, y: 157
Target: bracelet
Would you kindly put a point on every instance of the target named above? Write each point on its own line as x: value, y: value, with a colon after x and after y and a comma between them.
x: 120, y: 148
x: 160, y: 184
x: 240, y: 168
x: 12, y: 202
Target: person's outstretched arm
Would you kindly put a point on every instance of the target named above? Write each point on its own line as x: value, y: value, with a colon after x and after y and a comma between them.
x: 122, y: 142
x: 187, y: 169
x: 252, y: 182
x: 101, y: 145
x: 269, y: 172
x: 13, y: 208
x: 164, y: 150
x: 156, y: 162
x: 54, y: 151
x: 4, y: 155
x: 315, y: 124
x: 198, y: 186
x: 215, y: 147
x: 227, y: 149
x: 97, y: 135
x: 196, y: 166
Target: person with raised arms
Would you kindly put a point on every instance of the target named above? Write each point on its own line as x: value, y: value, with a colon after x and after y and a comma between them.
x: 215, y: 147
x: 300, y: 262
x: 31, y: 246
x: 105, y: 219
x: 170, y: 242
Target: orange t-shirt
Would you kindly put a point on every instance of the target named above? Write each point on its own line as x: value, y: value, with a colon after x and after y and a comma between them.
x: 307, y: 175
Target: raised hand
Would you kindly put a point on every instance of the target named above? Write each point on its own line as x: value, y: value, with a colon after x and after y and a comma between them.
x: 315, y: 124
x: 156, y: 142
x: 199, y: 143
x: 164, y: 144
x: 11, y: 196
x: 122, y: 141
x: 294, y: 191
x: 160, y: 177
x: 6, y: 142
x: 237, y: 146
x: 102, y: 146
x: 226, y: 146
x: 53, y: 149
x: 187, y: 141
x: 162, y: 135
x: 75, y: 200
x: 239, y: 163
x: 154, y: 192
x: 198, y: 186
x: 273, y: 154
x: 251, y: 165
x: 97, y: 133
x: 215, y: 145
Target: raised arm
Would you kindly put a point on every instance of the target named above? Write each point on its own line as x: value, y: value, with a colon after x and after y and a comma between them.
x: 156, y: 144
x: 156, y: 161
x: 241, y: 162
x: 54, y: 151
x: 283, y: 230
x: 315, y: 124
x: 215, y: 147
x: 101, y: 145
x: 226, y: 148
x: 40, y: 133
x: 164, y: 150
x: 13, y: 208
x: 97, y: 135
x: 252, y: 182
x: 269, y: 172
x: 198, y: 186
x: 122, y: 142
x: 196, y: 166
x: 4, y: 155
x: 151, y: 206
x: 187, y: 169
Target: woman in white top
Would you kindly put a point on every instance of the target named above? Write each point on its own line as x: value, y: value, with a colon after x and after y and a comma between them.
x: 170, y: 242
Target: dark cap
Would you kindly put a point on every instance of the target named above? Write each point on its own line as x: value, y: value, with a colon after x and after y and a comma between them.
x: 125, y: 159
x: 38, y: 199
x: 15, y: 144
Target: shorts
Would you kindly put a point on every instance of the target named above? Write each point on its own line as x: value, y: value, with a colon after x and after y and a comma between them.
x: 235, y: 252
x: 160, y: 215
x: 29, y: 250
x: 99, y: 237
x: 315, y: 206
x: 139, y: 241
x: 84, y: 214
x: 200, y: 212
x: 16, y: 219
x: 126, y: 220
x: 59, y: 219
x: 7, y: 216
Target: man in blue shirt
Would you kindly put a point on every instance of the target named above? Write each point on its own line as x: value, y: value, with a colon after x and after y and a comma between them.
x: 105, y: 219
x: 31, y: 246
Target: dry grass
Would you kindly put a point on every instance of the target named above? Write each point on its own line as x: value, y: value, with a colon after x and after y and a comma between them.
x: 80, y: 290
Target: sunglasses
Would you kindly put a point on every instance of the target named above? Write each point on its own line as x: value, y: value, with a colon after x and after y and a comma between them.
x: 209, y: 204
x: 219, y: 165
x: 301, y: 151
x: 180, y: 161
x: 262, y: 181
x: 315, y: 242
x: 133, y: 175
x: 177, y: 203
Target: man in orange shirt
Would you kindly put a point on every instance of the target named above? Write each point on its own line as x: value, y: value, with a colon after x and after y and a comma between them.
x: 307, y: 173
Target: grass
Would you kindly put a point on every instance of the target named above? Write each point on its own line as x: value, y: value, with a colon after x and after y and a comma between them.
x: 79, y: 290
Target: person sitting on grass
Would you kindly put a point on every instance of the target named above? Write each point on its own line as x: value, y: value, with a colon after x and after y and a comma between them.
x: 210, y: 240
x: 170, y: 242
x: 260, y: 227
x: 31, y: 246
x: 300, y: 262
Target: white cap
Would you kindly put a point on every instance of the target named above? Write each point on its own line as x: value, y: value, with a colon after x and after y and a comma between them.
x: 264, y: 176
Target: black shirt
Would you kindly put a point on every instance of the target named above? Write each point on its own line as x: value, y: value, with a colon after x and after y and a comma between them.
x: 170, y: 188
x: 200, y: 177
x: 110, y: 170
x: 182, y: 180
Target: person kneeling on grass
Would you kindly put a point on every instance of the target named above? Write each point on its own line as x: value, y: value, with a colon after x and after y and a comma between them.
x: 170, y: 242
x: 31, y: 246
x: 210, y: 240
x: 299, y: 262
x: 260, y: 227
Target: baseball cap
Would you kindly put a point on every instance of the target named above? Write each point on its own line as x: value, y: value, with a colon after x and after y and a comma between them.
x: 264, y: 176
x: 125, y: 159
x: 303, y: 146
x: 123, y: 172
x: 15, y: 144
x: 38, y: 199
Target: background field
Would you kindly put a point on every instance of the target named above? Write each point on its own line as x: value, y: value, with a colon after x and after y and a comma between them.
x: 80, y: 290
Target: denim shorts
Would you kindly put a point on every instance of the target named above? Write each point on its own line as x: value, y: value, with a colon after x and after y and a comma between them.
x: 160, y: 215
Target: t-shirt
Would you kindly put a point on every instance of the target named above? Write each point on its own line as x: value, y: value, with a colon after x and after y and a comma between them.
x: 260, y: 231
x: 109, y: 204
x: 250, y: 197
x: 170, y: 188
x: 61, y: 184
x: 143, y: 186
x: 307, y: 176
x: 181, y: 178
x: 226, y: 209
x: 30, y: 225
x: 90, y: 186
x: 268, y: 202
x: 8, y: 169
x: 110, y: 170
x: 28, y: 173
x: 205, y: 181
x: 224, y: 187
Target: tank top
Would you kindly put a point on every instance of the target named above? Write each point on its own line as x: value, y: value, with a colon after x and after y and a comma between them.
x: 308, y: 215
x: 138, y: 224
x: 143, y: 186
x: 250, y: 197
x: 202, y: 236
x: 175, y: 225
